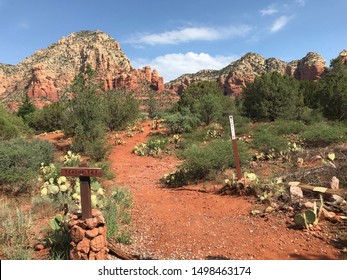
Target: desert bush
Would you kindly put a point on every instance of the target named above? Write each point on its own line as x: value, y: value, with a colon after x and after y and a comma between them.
x: 207, y: 102
x: 20, y: 160
x: 272, y: 96
x: 287, y: 127
x: 11, y: 126
x: 332, y: 92
x: 84, y: 117
x: 26, y: 108
x: 116, y: 212
x: 180, y: 122
x: 324, y: 133
x: 242, y: 124
x: 154, y: 147
x: 120, y: 108
x: 205, y: 161
x: 14, y: 232
x: 47, y: 119
x: 267, y: 141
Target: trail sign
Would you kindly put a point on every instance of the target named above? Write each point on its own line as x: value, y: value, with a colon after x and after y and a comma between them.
x: 81, y: 172
x: 84, y: 173
x: 235, y: 150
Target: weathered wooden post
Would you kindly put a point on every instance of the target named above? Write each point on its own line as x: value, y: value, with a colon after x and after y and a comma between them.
x: 84, y: 173
x: 235, y: 150
x: 88, y: 231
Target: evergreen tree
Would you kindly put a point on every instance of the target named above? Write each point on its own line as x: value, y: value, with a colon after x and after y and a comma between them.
x: 332, y: 92
x: 272, y: 96
x: 84, y: 117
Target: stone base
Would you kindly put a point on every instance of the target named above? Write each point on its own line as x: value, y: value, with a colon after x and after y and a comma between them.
x: 88, y: 237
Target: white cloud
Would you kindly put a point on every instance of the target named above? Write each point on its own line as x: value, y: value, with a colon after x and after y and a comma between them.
x: 279, y: 23
x: 190, y: 34
x: 300, y: 2
x: 268, y: 11
x: 173, y: 65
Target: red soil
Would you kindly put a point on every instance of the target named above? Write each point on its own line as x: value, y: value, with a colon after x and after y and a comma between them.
x: 196, y: 223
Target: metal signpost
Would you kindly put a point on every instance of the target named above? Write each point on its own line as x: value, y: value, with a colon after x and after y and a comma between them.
x: 235, y: 150
x: 84, y: 173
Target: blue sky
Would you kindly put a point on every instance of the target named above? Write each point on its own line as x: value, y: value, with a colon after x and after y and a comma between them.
x: 178, y: 37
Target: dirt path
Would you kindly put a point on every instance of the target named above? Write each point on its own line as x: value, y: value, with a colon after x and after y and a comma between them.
x: 190, y: 224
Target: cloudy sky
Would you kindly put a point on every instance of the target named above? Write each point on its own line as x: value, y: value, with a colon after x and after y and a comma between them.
x: 178, y: 37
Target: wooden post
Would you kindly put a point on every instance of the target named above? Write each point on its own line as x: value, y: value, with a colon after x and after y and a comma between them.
x: 235, y: 149
x: 84, y: 173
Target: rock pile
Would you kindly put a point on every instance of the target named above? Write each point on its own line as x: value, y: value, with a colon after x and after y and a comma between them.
x: 88, y: 237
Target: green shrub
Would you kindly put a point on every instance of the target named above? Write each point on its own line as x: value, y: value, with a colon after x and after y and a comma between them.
x: 20, y: 160
x: 287, y: 127
x: 153, y: 147
x: 26, y: 108
x: 47, y: 119
x: 205, y: 161
x: 116, y: 212
x: 332, y: 92
x: 11, y: 126
x: 180, y: 122
x: 84, y: 115
x: 272, y: 96
x: 15, y: 225
x: 324, y: 133
x: 121, y: 109
x: 242, y: 125
x: 267, y: 141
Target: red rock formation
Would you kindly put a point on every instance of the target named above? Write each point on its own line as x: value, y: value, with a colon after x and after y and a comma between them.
x: 235, y: 76
x: 311, y: 67
x: 343, y: 56
x: 48, y: 72
x: 42, y: 84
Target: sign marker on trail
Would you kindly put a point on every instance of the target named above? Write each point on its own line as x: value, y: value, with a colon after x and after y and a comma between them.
x: 84, y: 173
x: 235, y: 150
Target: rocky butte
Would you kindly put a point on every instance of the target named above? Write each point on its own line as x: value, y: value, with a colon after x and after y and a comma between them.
x: 48, y: 72
x: 234, y: 77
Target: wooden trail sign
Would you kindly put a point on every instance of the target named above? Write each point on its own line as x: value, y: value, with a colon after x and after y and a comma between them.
x: 84, y: 173
x: 235, y: 149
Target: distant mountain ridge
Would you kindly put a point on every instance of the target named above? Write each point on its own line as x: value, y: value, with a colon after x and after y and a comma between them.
x: 233, y: 77
x: 46, y: 74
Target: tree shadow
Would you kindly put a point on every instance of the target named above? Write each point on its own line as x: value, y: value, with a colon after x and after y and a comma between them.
x: 217, y: 257
x: 310, y: 257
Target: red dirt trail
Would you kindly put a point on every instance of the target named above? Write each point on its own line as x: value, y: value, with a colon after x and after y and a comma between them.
x: 188, y: 223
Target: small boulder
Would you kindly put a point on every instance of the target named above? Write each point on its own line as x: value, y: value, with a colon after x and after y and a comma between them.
x: 296, y: 193
x: 334, y: 183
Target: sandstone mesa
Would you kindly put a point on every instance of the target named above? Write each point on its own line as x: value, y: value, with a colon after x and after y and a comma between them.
x: 46, y: 74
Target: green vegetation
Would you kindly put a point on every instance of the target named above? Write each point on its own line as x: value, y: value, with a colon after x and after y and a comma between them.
x: 117, y: 215
x: 154, y: 147
x: 15, y: 226
x: 324, y: 133
x: 272, y: 96
x: 277, y: 118
x: 84, y: 117
x: 20, y: 160
x: 49, y: 118
x: 11, y: 126
x: 332, y: 93
x: 206, y: 102
x: 26, y: 108
x: 120, y: 109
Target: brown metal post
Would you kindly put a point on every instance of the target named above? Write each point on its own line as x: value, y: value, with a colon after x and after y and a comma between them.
x: 235, y: 149
x: 237, y: 160
x: 86, y: 202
